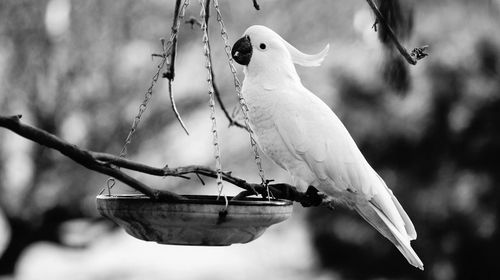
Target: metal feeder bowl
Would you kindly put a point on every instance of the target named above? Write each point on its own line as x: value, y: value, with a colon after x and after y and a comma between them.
x: 198, y: 220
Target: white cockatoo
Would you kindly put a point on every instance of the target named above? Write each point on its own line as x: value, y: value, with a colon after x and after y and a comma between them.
x: 301, y: 134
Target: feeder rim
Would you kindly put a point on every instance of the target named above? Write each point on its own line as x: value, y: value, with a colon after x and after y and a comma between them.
x: 202, y: 199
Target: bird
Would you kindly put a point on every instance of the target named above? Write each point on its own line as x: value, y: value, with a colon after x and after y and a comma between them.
x: 302, y: 135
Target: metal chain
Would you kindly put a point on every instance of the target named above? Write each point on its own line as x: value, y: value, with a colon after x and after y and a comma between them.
x: 237, y: 86
x: 211, y: 104
x: 149, y: 92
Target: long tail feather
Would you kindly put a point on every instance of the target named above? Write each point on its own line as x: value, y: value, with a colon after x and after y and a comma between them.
x: 410, y: 229
x: 382, y: 224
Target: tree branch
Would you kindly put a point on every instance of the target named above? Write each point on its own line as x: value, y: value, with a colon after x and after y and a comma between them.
x: 416, y: 54
x: 82, y: 157
x: 107, y: 163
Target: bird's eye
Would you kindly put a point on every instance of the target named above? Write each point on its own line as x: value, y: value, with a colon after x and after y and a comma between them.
x: 262, y: 46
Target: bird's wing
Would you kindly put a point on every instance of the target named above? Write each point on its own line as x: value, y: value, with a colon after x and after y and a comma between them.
x: 313, y: 133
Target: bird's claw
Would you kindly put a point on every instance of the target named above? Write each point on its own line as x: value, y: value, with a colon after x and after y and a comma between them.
x: 312, y: 197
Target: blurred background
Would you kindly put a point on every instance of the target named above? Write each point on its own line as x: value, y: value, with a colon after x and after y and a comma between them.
x: 79, y: 69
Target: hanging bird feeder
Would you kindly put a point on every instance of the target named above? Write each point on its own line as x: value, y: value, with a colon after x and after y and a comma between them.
x: 194, y: 220
x: 198, y: 220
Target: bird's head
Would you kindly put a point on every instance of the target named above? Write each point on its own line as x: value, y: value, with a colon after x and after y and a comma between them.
x: 262, y: 49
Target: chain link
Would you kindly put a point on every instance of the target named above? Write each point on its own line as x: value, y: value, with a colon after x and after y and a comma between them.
x: 211, y: 104
x: 237, y: 86
x: 149, y: 92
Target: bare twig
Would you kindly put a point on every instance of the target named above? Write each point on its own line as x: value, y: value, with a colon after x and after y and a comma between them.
x: 132, y: 165
x: 171, y: 69
x: 410, y: 58
x: 256, y: 5
x: 170, y: 74
x: 174, y: 107
x: 201, y: 179
x: 374, y: 26
x: 109, y: 164
x: 207, y: 13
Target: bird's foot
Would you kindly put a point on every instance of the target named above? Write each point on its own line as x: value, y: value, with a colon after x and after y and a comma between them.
x: 312, y: 197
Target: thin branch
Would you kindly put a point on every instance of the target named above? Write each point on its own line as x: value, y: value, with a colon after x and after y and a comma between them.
x: 256, y: 5
x: 132, y: 165
x: 80, y: 156
x: 166, y: 171
x: 170, y: 74
x: 107, y: 164
x: 174, y: 107
x: 207, y: 12
x: 171, y: 70
x: 201, y: 179
x: 412, y: 59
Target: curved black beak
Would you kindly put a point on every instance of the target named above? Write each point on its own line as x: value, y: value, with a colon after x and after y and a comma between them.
x: 242, y: 51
